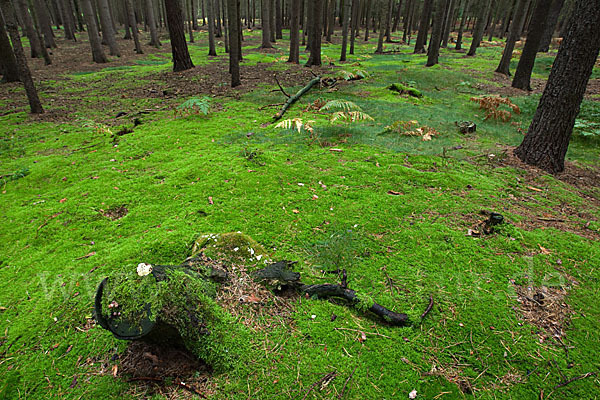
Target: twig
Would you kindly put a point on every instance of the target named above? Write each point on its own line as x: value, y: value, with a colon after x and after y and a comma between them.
x: 565, y: 383
x: 344, y: 282
x: 270, y: 105
x: 346, y: 383
x: 327, y: 376
x: 145, y: 378
x: 359, y: 331
x: 189, y: 388
x: 429, y: 307
x: 280, y: 87
x: 551, y: 219
x: 46, y: 222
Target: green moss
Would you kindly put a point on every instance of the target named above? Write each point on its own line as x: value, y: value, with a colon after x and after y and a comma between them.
x: 232, y: 246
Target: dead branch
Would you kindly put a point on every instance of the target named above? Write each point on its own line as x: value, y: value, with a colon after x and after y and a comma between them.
x: 346, y: 383
x: 565, y: 383
x: 429, y: 307
x: 325, y: 379
x: 291, y: 100
x: 280, y: 87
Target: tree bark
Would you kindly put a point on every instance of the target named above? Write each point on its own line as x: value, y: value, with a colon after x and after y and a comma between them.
x: 210, y: 11
x: 154, y: 40
x: 388, y: 21
x: 278, y: 22
x: 265, y: 21
x: 34, y: 42
x: 345, y: 25
x: 315, y: 33
x: 522, y: 79
x: 295, y: 32
x: 179, y: 49
x: 8, y: 62
x: 45, y: 25
x: 67, y: 19
x: 513, y: 36
x: 95, y: 44
x: 551, y: 22
x: 479, y: 27
x: 461, y: 27
x: 354, y: 24
x: 448, y: 23
x: 107, y: 29
x: 234, y: 42
x: 547, y: 139
x: 423, y: 27
x: 436, y: 36
x: 383, y: 19
x: 13, y: 31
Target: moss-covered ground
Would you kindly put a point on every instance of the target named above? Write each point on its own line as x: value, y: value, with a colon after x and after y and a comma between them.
x: 394, y: 211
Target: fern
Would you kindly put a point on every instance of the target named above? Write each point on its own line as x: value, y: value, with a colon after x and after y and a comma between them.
x: 296, y: 124
x: 491, y: 106
x: 350, y: 116
x: 195, y: 106
x: 343, y: 105
x: 354, y: 75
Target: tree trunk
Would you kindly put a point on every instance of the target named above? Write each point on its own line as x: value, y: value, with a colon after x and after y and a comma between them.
x: 179, y: 49
x: 45, y: 25
x: 382, y: 27
x: 211, y: 27
x: 479, y: 27
x: 315, y: 33
x: 547, y: 139
x: 194, y: 15
x: 423, y: 27
x: 513, y: 36
x: 278, y: 24
x: 522, y: 79
x: 265, y: 21
x: 13, y: 30
x: 272, y: 37
x: 448, y: 23
x: 225, y: 30
x: 134, y: 29
x: 8, y: 62
x: 388, y: 21
x: 107, y: 29
x: 551, y: 22
x: 295, y: 32
x: 154, y: 40
x: 34, y: 42
x: 67, y: 19
x: 436, y: 36
x: 407, y: 21
x: 95, y: 44
x: 345, y: 25
x: 397, y: 16
x: 461, y: 27
x: 367, y: 18
x: 234, y: 42
x: 353, y: 24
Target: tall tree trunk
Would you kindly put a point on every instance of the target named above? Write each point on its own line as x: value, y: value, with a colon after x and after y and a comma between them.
x: 423, y: 27
x: 522, y: 79
x: 448, y: 23
x: 265, y: 21
x: 278, y: 22
x: 107, y: 29
x: 295, y: 32
x: 187, y: 11
x: 194, y: 15
x: 383, y: 19
x: 272, y: 21
x: 345, y: 24
x: 219, y: 29
x: 547, y: 139
x: 406, y: 21
x: 353, y: 24
x: 367, y: 18
x: 8, y: 62
x: 461, y: 27
x: 211, y: 27
x: 397, y: 16
x: 479, y: 26
x: 154, y: 40
x: 133, y: 23
x: 179, y: 49
x: 67, y: 19
x: 436, y: 36
x: 43, y: 17
x: 225, y: 29
x: 234, y: 42
x: 551, y: 22
x: 513, y: 36
x: 13, y: 31
x: 331, y: 21
x: 95, y: 44
x: 388, y: 22
x: 315, y: 33
x: 34, y: 42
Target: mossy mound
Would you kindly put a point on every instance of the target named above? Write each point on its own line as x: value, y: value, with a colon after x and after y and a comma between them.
x: 233, y: 247
x: 403, y: 89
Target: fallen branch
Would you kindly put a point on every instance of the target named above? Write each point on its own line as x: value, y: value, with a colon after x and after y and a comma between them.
x: 429, y: 307
x: 291, y: 100
x: 346, y: 383
x: 280, y: 87
x: 565, y: 383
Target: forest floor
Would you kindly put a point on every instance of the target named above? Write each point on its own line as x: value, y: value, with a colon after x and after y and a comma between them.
x: 116, y: 173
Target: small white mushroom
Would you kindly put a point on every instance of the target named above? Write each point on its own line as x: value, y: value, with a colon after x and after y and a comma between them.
x: 144, y: 269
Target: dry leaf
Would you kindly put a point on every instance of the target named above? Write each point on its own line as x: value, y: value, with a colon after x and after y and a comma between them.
x: 86, y: 256
x: 544, y: 250
x: 394, y: 193
x: 115, y: 368
x: 295, y: 211
x: 62, y: 200
x: 534, y: 188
